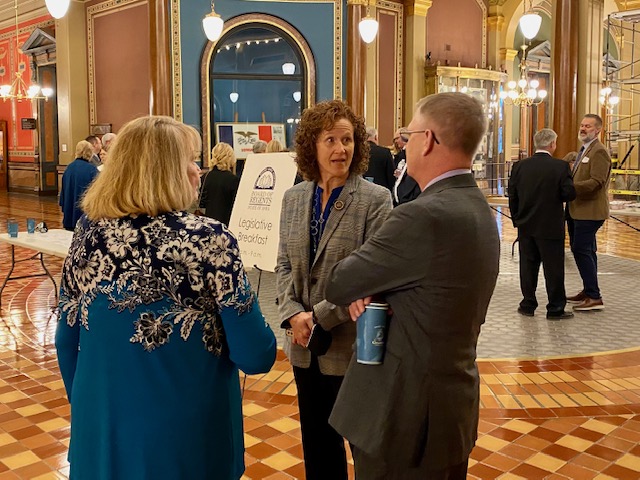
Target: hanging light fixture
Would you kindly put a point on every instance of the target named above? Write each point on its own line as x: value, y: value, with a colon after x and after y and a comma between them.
x: 530, y: 22
x: 608, y: 98
x: 297, y: 96
x: 212, y: 24
x: 19, y: 90
x: 57, y: 8
x: 368, y: 27
x: 524, y: 92
x: 233, y: 96
x: 288, y: 68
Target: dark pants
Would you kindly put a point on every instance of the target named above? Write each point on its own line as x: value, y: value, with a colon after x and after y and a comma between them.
x: 549, y: 252
x: 324, y: 453
x: 369, y: 468
x: 582, y: 238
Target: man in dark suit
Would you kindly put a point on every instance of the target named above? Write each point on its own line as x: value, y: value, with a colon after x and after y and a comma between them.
x: 537, y: 189
x: 381, y: 166
x: 405, y: 188
x: 591, y: 176
x: 416, y: 415
x: 97, y: 146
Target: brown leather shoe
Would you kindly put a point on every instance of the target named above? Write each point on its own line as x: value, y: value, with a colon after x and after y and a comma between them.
x: 579, y: 298
x: 589, y: 304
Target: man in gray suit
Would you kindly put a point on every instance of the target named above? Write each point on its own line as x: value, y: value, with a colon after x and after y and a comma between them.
x: 435, y: 261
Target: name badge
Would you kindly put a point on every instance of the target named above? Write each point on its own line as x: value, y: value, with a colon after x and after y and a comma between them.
x: 585, y: 160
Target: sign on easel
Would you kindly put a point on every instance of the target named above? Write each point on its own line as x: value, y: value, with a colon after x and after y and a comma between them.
x: 255, y: 219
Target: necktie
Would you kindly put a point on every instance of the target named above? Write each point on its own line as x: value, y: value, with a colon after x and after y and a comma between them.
x: 576, y: 163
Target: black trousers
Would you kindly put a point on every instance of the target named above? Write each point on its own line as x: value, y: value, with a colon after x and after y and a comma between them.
x: 549, y: 252
x: 369, y: 468
x: 325, y: 457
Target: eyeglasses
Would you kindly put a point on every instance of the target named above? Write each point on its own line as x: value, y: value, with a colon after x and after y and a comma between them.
x: 404, y: 134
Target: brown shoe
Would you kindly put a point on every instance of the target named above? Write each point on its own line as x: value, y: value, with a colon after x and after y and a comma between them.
x: 579, y: 298
x: 589, y: 304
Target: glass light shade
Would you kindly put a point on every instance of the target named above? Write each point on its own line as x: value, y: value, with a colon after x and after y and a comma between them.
x: 368, y: 27
x: 532, y: 93
x: 530, y: 25
x: 213, y: 25
x: 503, y: 94
x: 513, y: 94
x: 605, y: 91
x: 512, y: 84
x: 602, y: 100
x: 233, y: 96
x: 464, y: 89
x: 288, y: 68
x: 47, y: 92
x: 33, y: 90
x: 534, y: 83
x: 297, y: 96
x: 5, y: 90
x: 542, y: 94
x: 57, y: 8
x: 522, y: 83
x: 614, y: 100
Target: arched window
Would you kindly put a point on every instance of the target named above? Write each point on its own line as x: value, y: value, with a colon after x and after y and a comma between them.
x: 257, y: 73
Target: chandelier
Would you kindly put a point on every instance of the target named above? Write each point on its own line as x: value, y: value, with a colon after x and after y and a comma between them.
x: 607, y: 98
x: 18, y: 90
x: 524, y: 92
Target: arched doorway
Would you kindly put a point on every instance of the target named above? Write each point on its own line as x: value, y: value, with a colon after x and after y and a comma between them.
x: 256, y: 81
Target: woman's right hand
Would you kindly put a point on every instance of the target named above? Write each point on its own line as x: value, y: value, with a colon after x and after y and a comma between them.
x: 301, y: 325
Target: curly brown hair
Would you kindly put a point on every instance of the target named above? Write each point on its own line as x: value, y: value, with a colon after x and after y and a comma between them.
x: 322, y: 117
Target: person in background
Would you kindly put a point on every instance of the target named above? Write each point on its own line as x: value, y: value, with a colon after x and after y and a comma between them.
x: 586, y: 214
x: 97, y: 147
x: 435, y: 261
x: 220, y: 184
x: 107, y: 139
x: 161, y: 306
x: 75, y: 180
x: 405, y: 188
x: 538, y: 186
x: 274, y: 146
x: 381, y: 166
x: 323, y: 219
x: 260, y: 146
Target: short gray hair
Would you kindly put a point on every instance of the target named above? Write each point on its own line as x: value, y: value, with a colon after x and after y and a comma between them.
x: 260, y: 146
x: 107, y: 138
x: 543, y: 138
x: 372, y: 132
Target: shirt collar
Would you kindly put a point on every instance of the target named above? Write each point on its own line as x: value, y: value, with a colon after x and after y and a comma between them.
x: 587, y: 145
x: 449, y: 174
x: 543, y: 151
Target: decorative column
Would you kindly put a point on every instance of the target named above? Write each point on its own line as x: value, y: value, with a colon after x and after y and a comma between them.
x: 356, y: 56
x: 72, y: 88
x: 565, y: 75
x: 416, y: 48
x: 507, y: 56
x: 160, y: 97
x: 495, y: 26
x: 590, y: 48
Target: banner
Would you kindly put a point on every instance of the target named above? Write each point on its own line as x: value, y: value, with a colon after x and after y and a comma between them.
x: 242, y: 136
x: 255, y: 219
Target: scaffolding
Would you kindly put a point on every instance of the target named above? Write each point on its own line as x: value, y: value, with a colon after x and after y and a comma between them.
x: 622, y: 119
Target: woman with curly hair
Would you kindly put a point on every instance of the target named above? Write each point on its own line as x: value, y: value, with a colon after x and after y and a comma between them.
x: 220, y: 184
x: 323, y: 220
x: 156, y: 316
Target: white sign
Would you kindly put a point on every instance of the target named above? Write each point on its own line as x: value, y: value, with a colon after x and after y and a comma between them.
x: 255, y: 219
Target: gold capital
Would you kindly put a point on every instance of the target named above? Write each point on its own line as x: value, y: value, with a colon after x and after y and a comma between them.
x: 495, y: 23
x: 508, y: 54
x: 417, y: 7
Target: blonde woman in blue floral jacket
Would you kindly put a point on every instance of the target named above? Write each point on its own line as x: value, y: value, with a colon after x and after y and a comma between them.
x: 156, y: 318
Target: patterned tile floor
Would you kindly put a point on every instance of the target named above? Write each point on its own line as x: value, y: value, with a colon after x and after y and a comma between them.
x: 566, y: 405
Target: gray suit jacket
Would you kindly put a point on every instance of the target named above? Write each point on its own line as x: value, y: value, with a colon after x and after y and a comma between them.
x: 300, y: 285
x: 435, y: 260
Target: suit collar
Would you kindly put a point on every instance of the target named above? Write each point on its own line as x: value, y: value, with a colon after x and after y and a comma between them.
x: 459, y: 181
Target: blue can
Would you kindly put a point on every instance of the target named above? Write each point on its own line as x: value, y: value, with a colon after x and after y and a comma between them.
x: 371, y: 336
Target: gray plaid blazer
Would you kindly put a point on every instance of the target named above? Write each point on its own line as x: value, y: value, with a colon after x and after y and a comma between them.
x: 301, y: 281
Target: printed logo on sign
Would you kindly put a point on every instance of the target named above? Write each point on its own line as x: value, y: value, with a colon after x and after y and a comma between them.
x: 262, y: 194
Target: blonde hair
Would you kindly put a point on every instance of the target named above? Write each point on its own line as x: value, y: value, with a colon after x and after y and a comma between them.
x: 84, y: 150
x: 274, y: 146
x: 146, y: 172
x: 223, y: 157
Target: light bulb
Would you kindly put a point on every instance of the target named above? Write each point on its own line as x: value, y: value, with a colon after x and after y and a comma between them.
x: 512, y: 84
x: 534, y: 83
x: 33, y: 90
x: 532, y: 93
x: 368, y: 27
x: 530, y: 25
x: 542, y: 94
x: 233, y: 96
x: 605, y: 91
x: 213, y: 24
x: 614, y: 100
x: 47, y: 92
x: 503, y: 95
x: 57, y: 8
x: 522, y: 83
x: 5, y: 90
x: 288, y: 68
x: 513, y: 94
x: 297, y: 96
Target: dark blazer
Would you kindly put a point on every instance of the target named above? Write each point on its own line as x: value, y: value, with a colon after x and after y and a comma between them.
x: 218, y: 194
x: 381, y: 166
x: 591, y: 180
x: 76, y: 179
x: 537, y: 188
x: 301, y: 281
x: 435, y: 260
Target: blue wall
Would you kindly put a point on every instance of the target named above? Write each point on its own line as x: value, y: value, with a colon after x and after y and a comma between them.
x: 313, y: 20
